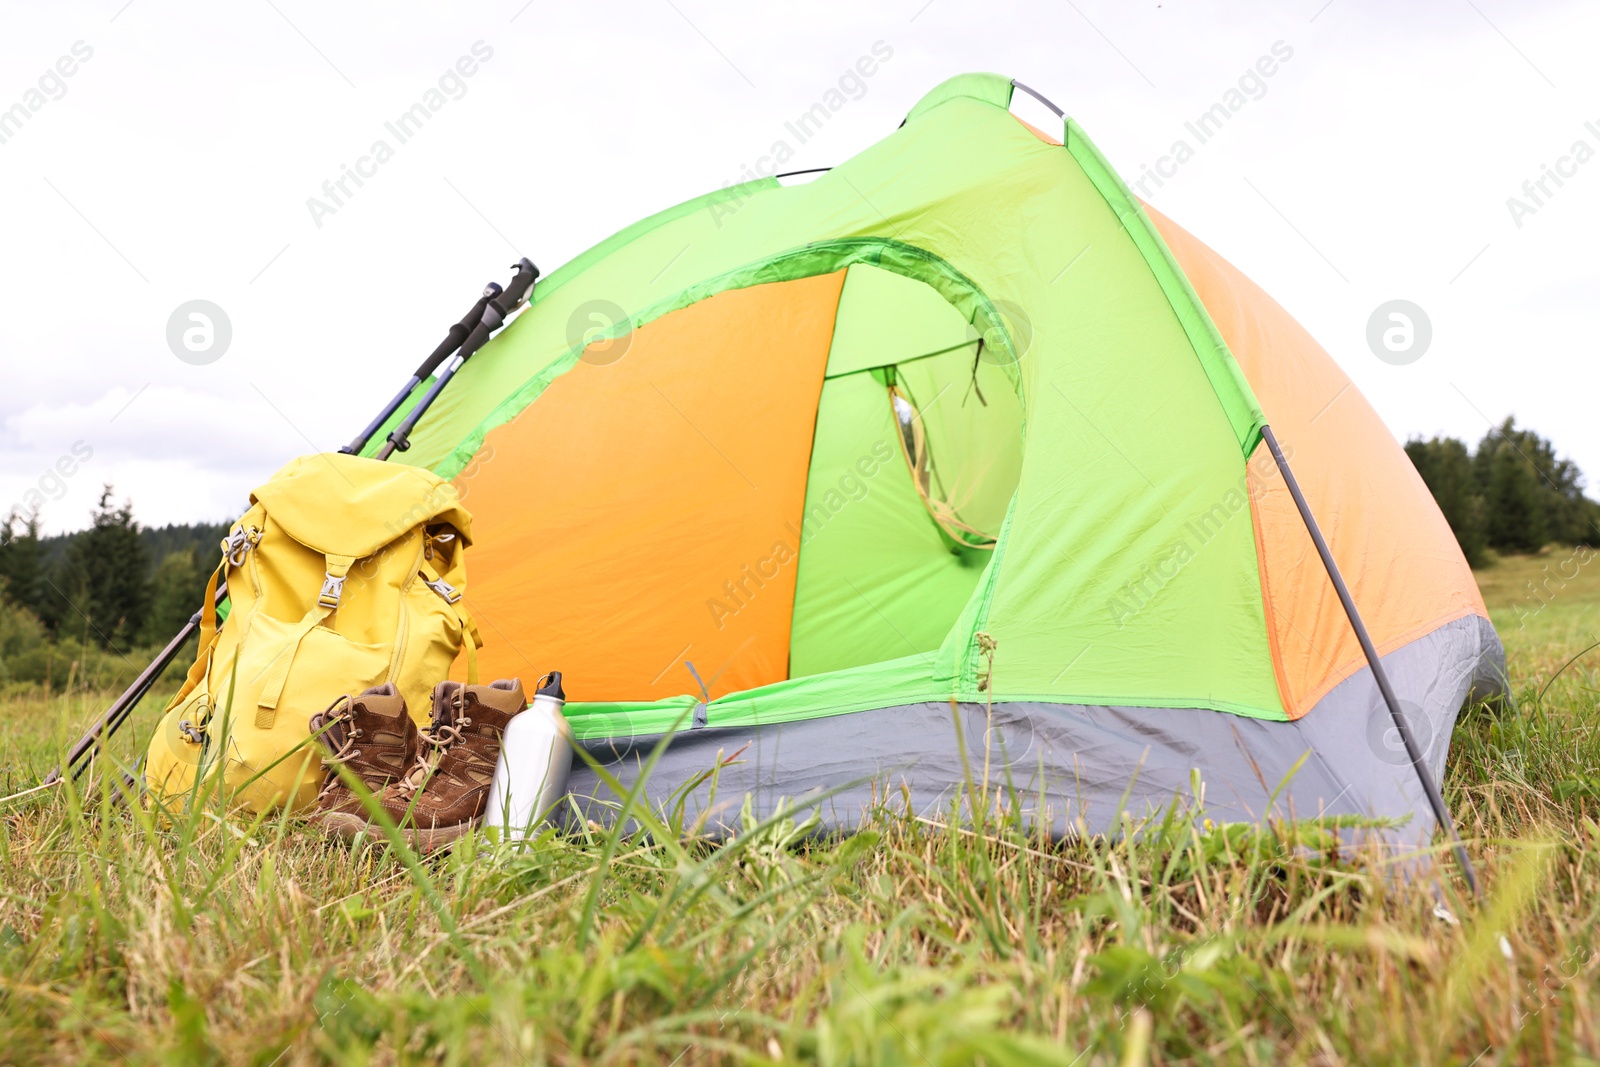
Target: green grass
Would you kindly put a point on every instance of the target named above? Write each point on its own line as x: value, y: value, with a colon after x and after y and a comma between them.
x: 203, y: 939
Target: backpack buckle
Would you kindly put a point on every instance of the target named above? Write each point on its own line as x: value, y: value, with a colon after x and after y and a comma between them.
x: 442, y: 537
x: 449, y: 592
x: 238, y: 544
x: 332, y: 590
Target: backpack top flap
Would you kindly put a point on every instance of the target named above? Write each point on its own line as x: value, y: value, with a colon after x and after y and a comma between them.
x: 342, y: 505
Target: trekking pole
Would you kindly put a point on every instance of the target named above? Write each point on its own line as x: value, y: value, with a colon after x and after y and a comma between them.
x: 452, y: 341
x: 495, y: 314
x: 114, y: 716
x: 466, y: 337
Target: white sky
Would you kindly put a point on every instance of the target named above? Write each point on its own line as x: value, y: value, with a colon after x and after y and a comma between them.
x: 178, y: 162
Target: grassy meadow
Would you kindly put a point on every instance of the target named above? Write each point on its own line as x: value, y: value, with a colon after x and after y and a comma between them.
x: 215, y: 940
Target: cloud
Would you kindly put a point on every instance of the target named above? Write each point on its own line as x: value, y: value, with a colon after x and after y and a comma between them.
x: 179, y: 454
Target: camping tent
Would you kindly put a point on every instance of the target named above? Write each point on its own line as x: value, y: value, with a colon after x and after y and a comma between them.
x: 956, y: 448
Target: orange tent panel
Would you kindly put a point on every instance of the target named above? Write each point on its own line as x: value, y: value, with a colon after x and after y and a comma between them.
x: 637, y: 515
x: 1393, y: 546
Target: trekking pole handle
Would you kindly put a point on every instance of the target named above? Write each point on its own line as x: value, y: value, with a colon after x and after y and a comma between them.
x: 502, y: 307
x: 495, y: 314
x: 517, y: 292
x: 452, y: 341
x: 458, y: 332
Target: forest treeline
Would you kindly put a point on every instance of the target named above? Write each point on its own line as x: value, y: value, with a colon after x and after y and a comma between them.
x: 78, y: 607
x: 1512, y: 494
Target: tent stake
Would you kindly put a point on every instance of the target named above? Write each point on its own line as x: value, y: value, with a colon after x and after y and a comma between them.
x: 1435, y: 800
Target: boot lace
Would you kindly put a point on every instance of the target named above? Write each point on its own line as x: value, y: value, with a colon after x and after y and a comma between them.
x: 347, y: 749
x: 439, y: 736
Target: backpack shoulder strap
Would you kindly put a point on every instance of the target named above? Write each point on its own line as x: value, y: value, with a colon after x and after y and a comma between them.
x: 208, y: 637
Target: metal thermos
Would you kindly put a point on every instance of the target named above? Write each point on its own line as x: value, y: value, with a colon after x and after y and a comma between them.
x: 535, y: 755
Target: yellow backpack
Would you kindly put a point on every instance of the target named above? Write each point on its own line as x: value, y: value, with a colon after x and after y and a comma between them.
x: 345, y: 573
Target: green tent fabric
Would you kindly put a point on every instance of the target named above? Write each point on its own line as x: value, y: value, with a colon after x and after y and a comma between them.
x: 1024, y: 402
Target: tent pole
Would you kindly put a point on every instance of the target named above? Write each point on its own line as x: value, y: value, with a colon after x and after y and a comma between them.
x: 1435, y: 800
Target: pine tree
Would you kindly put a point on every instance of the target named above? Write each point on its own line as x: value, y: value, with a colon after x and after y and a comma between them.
x: 22, y: 561
x: 1565, y: 513
x: 102, y: 584
x: 177, y: 591
x: 1514, y: 499
x: 1445, y: 465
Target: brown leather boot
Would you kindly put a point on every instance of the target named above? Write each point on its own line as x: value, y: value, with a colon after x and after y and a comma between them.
x: 374, y: 737
x: 445, y: 793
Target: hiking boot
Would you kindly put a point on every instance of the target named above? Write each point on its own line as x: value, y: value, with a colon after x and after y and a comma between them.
x: 374, y: 737
x: 447, y: 790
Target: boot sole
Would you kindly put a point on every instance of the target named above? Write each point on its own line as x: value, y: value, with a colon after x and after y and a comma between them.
x: 344, y: 825
x: 348, y: 827
x: 432, y: 840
